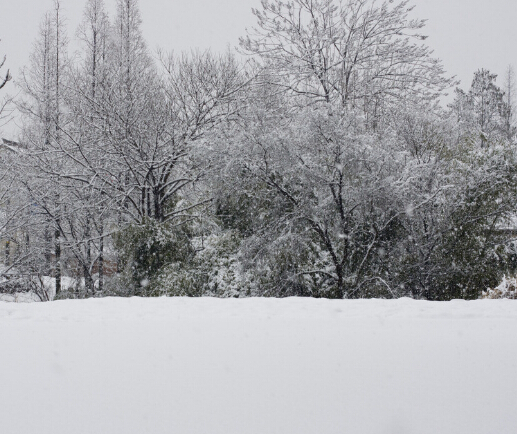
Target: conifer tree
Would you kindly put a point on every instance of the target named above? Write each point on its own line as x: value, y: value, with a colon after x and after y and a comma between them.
x: 43, y: 84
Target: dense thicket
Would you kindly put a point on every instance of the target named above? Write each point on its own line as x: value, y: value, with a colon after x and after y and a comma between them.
x: 316, y: 162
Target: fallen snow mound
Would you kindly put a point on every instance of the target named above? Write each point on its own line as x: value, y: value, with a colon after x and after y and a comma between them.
x: 258, y: 366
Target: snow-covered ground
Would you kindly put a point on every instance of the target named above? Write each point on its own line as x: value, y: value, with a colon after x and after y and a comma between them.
x: 258, y: 366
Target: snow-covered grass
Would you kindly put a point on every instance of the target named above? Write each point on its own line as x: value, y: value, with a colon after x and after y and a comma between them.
x: 258, y: 366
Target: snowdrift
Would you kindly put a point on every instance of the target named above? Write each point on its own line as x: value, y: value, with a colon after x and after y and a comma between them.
x: 258, y: 366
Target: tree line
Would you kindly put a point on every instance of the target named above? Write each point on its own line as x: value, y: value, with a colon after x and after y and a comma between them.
x: 315, y: 161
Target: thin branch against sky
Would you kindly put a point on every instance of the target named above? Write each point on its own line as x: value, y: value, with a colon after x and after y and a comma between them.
x: 466, y: 34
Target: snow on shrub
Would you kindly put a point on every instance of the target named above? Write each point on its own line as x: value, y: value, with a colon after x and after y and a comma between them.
x: 506, y: 289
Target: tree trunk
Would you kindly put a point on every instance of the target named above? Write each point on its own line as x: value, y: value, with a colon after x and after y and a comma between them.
x: 87, y: 274
x: 58, y: 261
x: 101, y: 264
x: 7, y: 253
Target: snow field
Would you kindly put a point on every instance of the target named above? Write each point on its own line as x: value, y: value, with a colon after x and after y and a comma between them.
x: 258, y: 366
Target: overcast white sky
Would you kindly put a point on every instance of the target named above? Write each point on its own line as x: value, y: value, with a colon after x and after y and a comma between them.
x: 465, y: 34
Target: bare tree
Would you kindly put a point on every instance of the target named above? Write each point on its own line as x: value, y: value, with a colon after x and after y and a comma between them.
x: 84, y: 139
x: 43, y: 84
x: 355, y: 53
x: 509, y: 99
x: 7, y: 76
x: 5, y: 101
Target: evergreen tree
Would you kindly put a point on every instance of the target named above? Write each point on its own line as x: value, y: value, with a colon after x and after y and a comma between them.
x: 482, y: 112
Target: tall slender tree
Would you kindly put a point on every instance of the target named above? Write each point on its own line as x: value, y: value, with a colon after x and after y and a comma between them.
x: 86, y: 143
x: 43, y: 84
x: 3, y: 81
x: 482, y: 111
x: 509, y: 99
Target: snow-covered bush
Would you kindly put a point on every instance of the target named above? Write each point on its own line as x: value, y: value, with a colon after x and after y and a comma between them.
x: 214, y: 270
x: 146, y: 250
x: 506, y: 289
